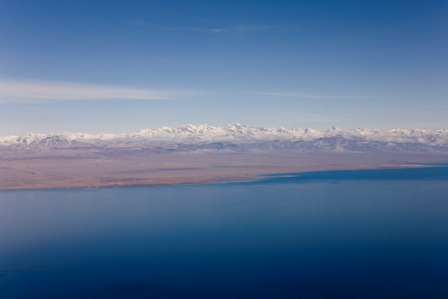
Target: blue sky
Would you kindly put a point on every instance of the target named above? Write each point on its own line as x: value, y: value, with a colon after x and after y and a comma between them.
x: 119, y: 66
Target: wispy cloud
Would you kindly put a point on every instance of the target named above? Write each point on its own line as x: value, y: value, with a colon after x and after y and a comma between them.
x: 237, y: 29
x: 57, y: 91
x: 242, y: 29
x: 309, y: 96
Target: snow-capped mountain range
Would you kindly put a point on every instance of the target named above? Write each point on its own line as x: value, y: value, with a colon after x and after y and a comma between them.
x: 240, y: 137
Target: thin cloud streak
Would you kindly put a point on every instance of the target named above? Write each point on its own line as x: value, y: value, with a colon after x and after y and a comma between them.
x: 243, y: 29
x: 239, y: 29
x: 58, y: 91
x: 310, y: 96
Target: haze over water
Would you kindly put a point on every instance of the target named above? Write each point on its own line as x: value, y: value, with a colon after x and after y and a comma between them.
x: 356, y: 234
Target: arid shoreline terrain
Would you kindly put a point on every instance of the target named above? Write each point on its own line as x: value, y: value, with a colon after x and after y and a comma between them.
x: 93, y: 168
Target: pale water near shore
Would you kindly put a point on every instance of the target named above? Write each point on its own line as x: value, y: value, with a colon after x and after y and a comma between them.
x: 341, y: 234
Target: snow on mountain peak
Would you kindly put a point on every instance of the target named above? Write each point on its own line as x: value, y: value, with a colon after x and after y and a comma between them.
x: 333, y: 128
x: 334, y: 137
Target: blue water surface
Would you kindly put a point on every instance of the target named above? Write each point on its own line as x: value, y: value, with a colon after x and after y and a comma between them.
x: 344, y: 234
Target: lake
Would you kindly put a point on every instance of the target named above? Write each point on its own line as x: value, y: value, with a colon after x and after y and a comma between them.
x: 339, y: 234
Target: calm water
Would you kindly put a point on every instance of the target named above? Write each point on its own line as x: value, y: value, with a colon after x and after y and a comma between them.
x: 356, y: 234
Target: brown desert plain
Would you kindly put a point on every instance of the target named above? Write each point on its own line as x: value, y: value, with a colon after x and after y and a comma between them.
x: 95, y: 168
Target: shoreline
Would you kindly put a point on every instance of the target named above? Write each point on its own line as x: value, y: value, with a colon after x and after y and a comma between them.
x: 254, y: 178
x: 55, y: 169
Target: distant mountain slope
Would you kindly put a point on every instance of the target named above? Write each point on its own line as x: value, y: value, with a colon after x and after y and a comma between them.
x: 242, y: 138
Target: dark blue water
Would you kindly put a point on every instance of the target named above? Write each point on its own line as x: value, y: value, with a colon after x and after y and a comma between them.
x: 356, y: 234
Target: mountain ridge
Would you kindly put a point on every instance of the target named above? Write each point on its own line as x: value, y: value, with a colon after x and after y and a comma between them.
x: 243, y: 137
